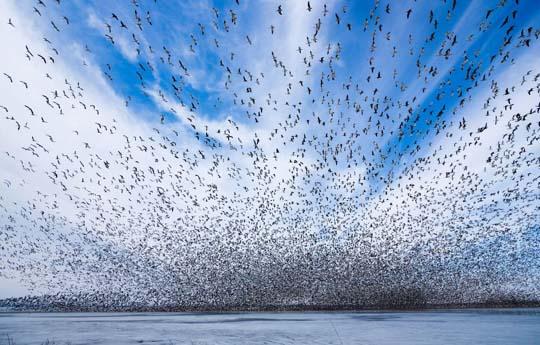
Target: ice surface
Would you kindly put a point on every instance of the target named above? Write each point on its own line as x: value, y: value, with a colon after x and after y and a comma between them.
x: 509, y: 326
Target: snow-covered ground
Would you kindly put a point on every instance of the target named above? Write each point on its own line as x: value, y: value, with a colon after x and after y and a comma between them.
x: 510, y: 326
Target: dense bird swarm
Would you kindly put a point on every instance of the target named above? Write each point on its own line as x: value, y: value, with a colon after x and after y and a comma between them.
x: 270, y: 153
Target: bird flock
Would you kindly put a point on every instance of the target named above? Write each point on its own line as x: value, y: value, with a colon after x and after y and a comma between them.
x: 270, y: 153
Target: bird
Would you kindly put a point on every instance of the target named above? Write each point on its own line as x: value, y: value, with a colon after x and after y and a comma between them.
x: 30, y: 109
x: 8, y: 77
x: 393, y: 165
x: 54, y: 26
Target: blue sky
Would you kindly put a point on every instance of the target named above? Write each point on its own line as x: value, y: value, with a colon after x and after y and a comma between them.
x: 214, y: 102
x: 355, y: 130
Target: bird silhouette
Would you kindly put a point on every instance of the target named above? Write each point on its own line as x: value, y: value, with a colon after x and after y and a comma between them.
x: 269, y: 156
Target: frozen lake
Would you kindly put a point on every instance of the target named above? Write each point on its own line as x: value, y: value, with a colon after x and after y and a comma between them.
x: 496, y: 326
